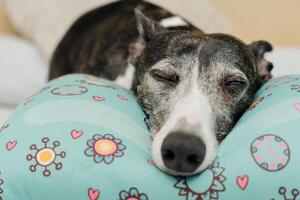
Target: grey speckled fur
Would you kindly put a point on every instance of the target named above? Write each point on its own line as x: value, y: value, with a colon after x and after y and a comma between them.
x: 168, y: 62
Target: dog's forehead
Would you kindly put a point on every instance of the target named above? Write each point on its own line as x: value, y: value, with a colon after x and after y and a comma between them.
x: 209, y: 51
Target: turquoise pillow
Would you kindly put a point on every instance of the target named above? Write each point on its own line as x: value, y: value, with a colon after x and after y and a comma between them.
x: 82, y: 137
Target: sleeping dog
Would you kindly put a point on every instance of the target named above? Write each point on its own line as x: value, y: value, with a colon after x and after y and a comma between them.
x: 193, y: 86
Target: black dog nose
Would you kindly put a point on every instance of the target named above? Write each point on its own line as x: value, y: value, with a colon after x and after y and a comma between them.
x: 182, y: 152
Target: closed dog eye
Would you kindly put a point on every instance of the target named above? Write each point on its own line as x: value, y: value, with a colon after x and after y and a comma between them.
x: 165, y: 77
x: 233, y: 85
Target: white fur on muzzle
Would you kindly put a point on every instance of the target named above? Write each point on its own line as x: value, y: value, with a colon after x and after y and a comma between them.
x: 192, y: 115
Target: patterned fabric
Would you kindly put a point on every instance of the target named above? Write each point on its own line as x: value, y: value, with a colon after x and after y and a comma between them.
x: 86, y: 138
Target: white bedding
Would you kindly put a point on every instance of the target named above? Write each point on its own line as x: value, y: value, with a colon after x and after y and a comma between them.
x: 5, y: 112
x: 23, y: 70
x: 286, y: 60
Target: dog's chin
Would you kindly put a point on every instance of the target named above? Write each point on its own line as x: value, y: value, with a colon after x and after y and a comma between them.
x: 179, y: 174
x: 210, y: 156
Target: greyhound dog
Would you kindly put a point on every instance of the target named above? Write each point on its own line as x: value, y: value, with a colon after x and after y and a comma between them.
x: 193, y: 86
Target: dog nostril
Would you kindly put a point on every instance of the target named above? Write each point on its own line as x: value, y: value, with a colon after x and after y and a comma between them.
x: 193, y: 159
x: 168, y: 155
x: 182, y: 152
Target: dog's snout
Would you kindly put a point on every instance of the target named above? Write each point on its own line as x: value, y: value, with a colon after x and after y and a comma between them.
x: 182, y: 152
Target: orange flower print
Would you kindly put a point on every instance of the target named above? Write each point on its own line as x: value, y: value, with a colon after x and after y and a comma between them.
x: 45, y: 156
x: 104, y: 148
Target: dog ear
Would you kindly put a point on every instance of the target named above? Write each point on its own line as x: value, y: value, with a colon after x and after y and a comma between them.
x: 136, y: 49
x: 147, y: 28
x: 264, y: 67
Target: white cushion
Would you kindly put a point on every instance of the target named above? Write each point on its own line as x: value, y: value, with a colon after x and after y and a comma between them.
x: 23, y: 70
x: 286, y: 60
x: 5, y: 112
x: 45, y: 22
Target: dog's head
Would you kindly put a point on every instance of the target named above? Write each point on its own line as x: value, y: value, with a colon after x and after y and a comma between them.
x: 194, y: 87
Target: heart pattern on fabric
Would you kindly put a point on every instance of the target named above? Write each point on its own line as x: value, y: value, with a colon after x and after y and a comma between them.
x: 242, y: 181
x: 11, y: 145
x: 123, y: 98
x: 98, y: 98
x: 93, y: 194
x: 76, y: 134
